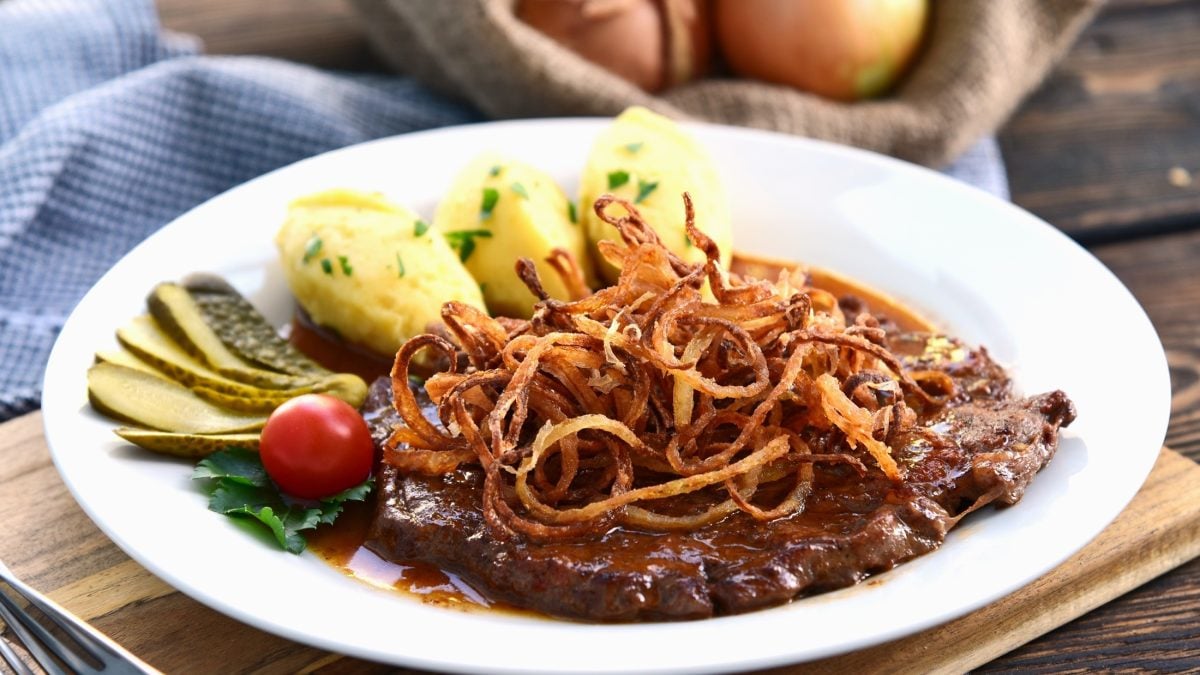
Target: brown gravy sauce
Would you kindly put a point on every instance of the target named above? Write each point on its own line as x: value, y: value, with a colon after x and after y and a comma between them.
x: 341, y: 545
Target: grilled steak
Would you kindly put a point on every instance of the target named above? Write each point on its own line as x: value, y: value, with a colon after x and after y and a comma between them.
x: 988, y: 447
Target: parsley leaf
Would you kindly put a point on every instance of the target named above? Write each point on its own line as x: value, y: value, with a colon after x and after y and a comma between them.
x: 520, y: 190
x: 463, y: 241
x: 312, y: 248
x: 571, y: 212
x: 420, y: 227
x: 238, y: 487
x: 632, y: 148
x: 399, y: 267
x: 644, y: 189
x: 490, y: 197
x: 495, y: 170
x: 327, y: 266
x: 617, y: 178
x: 345, y: 263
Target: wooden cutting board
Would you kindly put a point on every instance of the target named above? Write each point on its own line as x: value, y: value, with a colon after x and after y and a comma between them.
x: 46, y: 539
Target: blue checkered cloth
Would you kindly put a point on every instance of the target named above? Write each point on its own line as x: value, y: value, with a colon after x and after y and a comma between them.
x: 110, y: 128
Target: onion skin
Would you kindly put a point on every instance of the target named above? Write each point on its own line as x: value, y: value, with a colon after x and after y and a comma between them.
x: 654, y: 44
x: 845, y: 50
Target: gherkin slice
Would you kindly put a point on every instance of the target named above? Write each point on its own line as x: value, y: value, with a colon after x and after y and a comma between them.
x: 244, y: 330
x: 190, y: 446
x: 151, y: 401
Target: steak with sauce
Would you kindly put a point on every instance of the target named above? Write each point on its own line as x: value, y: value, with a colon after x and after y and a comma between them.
x: 989, y: 447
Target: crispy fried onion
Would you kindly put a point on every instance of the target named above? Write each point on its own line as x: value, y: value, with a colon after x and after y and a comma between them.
x: 671, y: 400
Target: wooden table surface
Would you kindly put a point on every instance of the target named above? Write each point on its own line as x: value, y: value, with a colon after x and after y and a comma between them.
x: 1108, y: 150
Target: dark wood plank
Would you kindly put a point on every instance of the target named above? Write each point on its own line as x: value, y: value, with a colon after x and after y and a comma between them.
x: 323, y: 33
x: 1157, y: 626
x: 1111, y: 141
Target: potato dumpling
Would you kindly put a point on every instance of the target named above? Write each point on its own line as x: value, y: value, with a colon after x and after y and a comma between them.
x: 369, y: 269
x: 647, y: 159
x: 499, y: 210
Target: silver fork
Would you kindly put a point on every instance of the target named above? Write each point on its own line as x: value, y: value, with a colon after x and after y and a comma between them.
x: 93, y: 651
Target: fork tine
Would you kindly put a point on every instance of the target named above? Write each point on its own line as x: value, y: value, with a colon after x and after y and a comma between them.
x: 114, y: 659
x: 26, y: 637
x: 32, y: 635
x: 10, y: 657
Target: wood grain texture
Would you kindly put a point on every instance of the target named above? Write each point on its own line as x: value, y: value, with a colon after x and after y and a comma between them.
x: 82, y: 570
x: 1111, y: 142
x: 322, y: 33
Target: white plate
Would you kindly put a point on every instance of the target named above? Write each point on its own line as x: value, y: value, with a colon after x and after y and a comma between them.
x: 982, y: 268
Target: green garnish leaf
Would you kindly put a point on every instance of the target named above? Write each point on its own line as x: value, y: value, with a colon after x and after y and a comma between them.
x: 571, y: 212
x: 238, y: 487
x: 463, y: 241
x: 399, y: 267
x: 617, y: 178
x: 645, y: 187
x: 490, y: 197
x: 312, y: 248
x: 632, y: 148
x: 237, y: 465
x: 483, y: 287
x: 687, y: 241
x: 520, y: 190
x: 495, y: 170
x: 345, y: 263
x: 420, y: 227
x: 327, y: 266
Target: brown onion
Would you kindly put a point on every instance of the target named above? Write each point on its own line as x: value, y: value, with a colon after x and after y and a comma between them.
x: 840, y: 49
x: 654, y: 44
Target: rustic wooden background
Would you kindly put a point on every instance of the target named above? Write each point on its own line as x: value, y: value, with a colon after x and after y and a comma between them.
x: 1108, y: 150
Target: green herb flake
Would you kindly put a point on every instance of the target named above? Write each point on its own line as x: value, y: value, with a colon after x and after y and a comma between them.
x: 495, y: 170
x: 238, y: 486
x: 490, y: 197
x: 644, y: 189
x: 399, y: 267
x: 420, y: 228
x: 617, y: 178
x: 687, y: 241
x: 345, y: 264
x: 463, y: 241
x: 483, y: 287
x: 520, y: 190
x: 312, y: 248
x: 632, y: 148
x: 327, y: 266
x: 571, y: 212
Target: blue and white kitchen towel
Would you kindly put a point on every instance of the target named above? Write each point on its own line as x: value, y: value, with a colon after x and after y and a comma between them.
x: 110, y: 128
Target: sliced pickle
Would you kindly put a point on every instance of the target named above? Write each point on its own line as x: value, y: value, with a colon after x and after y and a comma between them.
x: 123, y: 357
x: 244, y: 330
x: 190, y: 446
x: 152, y: 401
x: 148, y: 342
x: 179, y: 317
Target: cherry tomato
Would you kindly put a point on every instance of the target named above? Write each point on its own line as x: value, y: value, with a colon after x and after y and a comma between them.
x: 315, y: 446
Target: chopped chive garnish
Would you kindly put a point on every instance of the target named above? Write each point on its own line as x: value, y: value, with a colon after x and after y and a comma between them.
x: 464, y: 241
x: 520, y: 190
x: 399, y: 267
x: 494, y: 171
x: 644, y: 190
x: 490, y: 197
x: 687, y: 241
x: 312, y: 248
x: 632, y: 148
x: 571, y: 212
x: 345, y: 263
x: 617, y: 178
x: 420, y: 227
x: 327, y: 266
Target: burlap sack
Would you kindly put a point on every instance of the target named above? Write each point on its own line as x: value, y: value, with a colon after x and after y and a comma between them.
x: 981, y: 58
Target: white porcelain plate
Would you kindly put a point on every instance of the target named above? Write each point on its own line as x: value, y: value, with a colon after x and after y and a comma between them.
x: 982, y: 268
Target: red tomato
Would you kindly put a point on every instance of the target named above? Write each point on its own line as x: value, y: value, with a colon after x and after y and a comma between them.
x: 315, y: 446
